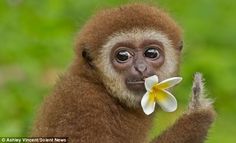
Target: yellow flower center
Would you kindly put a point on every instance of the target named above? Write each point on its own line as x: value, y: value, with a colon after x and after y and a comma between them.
x: 156, y: 94
x: 156, y: 87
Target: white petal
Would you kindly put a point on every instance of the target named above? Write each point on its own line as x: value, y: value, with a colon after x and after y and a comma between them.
x: 147, y: 104
x: 168, y: 102
x: 170, y: 82
x: 150, y: 81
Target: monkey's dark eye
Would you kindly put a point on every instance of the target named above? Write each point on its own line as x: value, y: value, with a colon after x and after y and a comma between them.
x: 122, y: 56
x: 152, y: 53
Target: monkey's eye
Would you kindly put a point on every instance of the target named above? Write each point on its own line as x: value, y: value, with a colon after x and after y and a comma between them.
x: 122, y: 56
x: 152, y: 53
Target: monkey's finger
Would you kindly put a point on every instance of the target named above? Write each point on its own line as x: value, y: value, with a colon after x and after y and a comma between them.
x: 198, y: 97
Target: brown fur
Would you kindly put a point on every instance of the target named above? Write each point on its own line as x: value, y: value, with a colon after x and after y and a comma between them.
x: 190, y: 128
x: 86, y: 113
x: 82, y: 109
x: 105, y: 23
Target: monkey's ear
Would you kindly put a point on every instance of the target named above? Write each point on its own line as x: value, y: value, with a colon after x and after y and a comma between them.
x: 87, y: 57
x: 180, y: 45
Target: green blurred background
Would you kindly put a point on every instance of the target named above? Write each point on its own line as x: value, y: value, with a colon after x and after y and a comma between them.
x: 36, y: 45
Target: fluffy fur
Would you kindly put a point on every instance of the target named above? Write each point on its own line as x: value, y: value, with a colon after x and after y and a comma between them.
x: 85, y: 105
x: 105, y: 23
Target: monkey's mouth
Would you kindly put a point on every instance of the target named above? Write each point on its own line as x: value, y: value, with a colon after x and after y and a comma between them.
x: 135, y: 82
x: 136, y: 85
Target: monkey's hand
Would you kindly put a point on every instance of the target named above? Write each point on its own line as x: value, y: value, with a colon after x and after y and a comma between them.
x: 192, y: 127
x: 199, y: 101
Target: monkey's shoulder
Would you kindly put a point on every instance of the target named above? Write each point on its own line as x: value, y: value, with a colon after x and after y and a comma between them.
x: 78, y: 92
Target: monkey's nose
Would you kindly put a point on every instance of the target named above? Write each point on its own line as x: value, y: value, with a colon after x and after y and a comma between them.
x: 141, y: 68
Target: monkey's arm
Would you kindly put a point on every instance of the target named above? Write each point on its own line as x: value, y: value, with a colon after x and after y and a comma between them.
x: 192, y: 127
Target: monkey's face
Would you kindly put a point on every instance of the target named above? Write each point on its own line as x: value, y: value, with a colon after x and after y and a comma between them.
x: 127, y: 58
x: 137, y: 60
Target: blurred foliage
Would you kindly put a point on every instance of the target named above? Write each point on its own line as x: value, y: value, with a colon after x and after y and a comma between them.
x: 36, y: 45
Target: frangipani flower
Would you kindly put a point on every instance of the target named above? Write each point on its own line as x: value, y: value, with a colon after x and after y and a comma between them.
x: 157, y: 93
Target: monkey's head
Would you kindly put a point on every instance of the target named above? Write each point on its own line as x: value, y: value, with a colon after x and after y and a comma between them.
x: 123, y: 46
